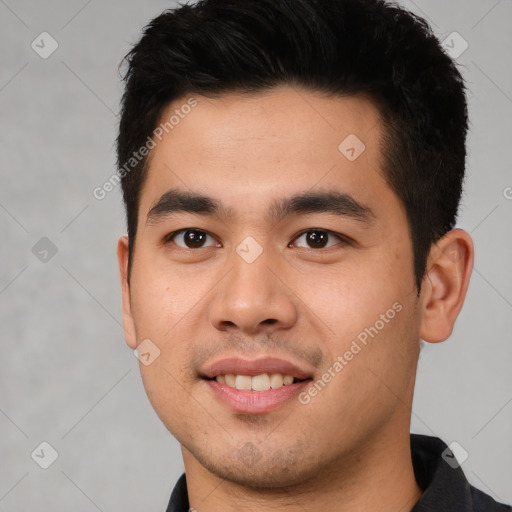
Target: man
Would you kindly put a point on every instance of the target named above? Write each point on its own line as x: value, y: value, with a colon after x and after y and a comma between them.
x: 291, y: 172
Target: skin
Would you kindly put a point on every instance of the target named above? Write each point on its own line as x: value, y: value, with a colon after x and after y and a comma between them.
x: 348, y: 449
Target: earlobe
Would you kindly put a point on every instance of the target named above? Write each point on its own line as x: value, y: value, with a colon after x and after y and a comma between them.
x: 445, y: 284
x: 128, y: 324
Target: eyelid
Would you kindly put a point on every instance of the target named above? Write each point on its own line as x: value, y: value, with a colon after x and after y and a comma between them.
x: 343, y: 238
x: 169, y: 238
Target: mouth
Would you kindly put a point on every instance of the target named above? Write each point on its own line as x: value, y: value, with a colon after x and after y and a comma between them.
x: 255, y: 387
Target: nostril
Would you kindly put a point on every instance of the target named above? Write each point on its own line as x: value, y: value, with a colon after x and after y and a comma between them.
x: 270, y: 321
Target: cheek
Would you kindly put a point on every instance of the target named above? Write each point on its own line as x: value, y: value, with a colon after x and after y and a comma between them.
x: 348, y: 300
x: 369, y: 321
x: 153, y: 310
x: 160, y: 298
x: 163, y: 305
x: 163, y: 384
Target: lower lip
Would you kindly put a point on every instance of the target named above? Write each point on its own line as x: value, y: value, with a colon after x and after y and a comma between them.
x: 255, y: 402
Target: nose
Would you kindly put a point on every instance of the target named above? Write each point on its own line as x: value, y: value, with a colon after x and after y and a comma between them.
x: 253, y: 299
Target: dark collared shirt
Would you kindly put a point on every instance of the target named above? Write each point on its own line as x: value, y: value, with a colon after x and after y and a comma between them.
x: 445, y: 488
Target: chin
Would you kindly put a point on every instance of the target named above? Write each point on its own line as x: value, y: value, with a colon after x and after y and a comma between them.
x: 255, y: 468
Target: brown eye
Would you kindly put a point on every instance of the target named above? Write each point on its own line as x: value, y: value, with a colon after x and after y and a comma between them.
x: 318, y: 239
x: 191, y: 239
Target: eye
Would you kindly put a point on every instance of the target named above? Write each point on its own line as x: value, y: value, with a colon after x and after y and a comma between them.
x: 190, y: 239
x: 319, y: 239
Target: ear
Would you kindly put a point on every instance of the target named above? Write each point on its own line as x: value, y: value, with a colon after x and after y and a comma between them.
x: 445, y: 284
x: 122, y: 259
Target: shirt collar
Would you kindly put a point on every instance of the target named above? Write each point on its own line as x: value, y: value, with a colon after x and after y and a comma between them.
x: 444, y: 487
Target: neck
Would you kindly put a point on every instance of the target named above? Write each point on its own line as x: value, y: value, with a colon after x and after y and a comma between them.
x: 379, y: 476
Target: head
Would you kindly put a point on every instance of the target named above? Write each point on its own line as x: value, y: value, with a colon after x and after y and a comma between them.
x: 296, y: 198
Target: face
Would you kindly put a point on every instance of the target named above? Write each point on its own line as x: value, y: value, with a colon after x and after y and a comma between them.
x: 269, y: 244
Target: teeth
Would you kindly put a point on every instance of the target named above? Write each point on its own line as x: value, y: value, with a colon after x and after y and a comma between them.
x: 262, y: 382
x: 288, y: 379
x: 243, y: 382
x: 276, y: 380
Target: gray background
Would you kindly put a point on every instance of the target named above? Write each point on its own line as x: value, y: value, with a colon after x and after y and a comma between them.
x: 66, y: 375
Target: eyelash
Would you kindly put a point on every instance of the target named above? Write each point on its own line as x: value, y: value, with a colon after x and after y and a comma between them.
x: 344, y: 240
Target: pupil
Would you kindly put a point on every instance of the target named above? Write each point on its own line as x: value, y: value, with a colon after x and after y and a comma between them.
x: 317, y: 238
x: 194, y: 238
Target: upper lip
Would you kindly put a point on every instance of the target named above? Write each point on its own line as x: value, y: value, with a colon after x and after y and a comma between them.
x: 252, y: 367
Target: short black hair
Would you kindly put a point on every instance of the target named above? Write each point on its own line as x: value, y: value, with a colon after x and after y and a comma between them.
x: 339, y: 47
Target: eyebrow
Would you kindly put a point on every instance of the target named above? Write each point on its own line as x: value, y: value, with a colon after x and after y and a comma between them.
x: 335, y: 203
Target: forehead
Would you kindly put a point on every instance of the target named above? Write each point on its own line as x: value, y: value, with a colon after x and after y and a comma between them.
x: 248, y: 147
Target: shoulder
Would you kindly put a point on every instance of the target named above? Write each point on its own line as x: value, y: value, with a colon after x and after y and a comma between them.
x: 484, y: 503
